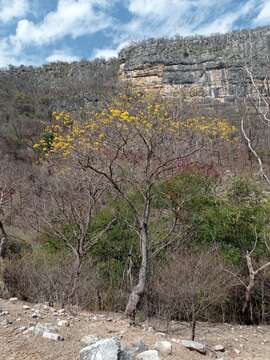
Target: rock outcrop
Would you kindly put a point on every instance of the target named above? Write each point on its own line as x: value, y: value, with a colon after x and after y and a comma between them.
x: 209, y: 66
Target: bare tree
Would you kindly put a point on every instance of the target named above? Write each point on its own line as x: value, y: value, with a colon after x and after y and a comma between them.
x: 65, y: 208
x: 191, y: 283
x: 253, y: 274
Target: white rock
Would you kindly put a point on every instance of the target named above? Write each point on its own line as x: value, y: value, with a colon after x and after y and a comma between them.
x: 105, y: 349
x: 39, y: 329
x: 26, y: 307
x: 61, y: 311
x: 35, y: 315
x: 219, y: 348
x: 194, y: 345
x: 52, y: 336
x: 163, y: 347
x: 148, y: 355
x: 63, y: 323
x: 13, y: 299
x: 21, y: 329
x: 160, y: 334
x: 89, y: 340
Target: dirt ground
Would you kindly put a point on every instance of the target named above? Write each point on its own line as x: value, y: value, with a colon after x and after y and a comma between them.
x: 18, y: 343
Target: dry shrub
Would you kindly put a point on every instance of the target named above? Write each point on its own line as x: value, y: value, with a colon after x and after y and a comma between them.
x: 190, y: 287
x: 38, y: 277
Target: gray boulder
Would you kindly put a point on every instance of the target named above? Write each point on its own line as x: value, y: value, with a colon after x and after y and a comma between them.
x: 47, y: 331
x: 163, y: 347
x: 194, y: 345
x: 104, y: 349
x: 130, y: 353
x: 148, y: 355
x: 89, y: 340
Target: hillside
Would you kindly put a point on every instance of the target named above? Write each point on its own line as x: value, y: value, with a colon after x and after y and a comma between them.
x: 138, y: 187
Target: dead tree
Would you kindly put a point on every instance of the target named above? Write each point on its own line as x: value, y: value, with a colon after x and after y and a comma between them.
x: 65, y: 209
x: 253, y: 274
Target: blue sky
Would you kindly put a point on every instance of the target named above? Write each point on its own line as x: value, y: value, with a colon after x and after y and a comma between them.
x: 34, y: 32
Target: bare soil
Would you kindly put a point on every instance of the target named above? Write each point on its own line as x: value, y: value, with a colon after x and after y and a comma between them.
x: 240, y: 342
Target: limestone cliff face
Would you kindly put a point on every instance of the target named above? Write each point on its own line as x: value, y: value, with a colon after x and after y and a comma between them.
x: 213, y: 65
x: 210, y: 67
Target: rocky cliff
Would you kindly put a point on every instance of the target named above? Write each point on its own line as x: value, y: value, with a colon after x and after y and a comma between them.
x: 212, y: 66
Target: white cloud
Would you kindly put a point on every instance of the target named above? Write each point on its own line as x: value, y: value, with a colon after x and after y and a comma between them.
x: 72, y: 18
x: 225, y: 22
x: 185, y: 17
x: 108, y: 53
x: 147, y: 18
x: 62, y: 55
x: 12, y: 9
x: 263, y: 17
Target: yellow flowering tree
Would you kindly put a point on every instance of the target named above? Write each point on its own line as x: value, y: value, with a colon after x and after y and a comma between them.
x: 133, y: 143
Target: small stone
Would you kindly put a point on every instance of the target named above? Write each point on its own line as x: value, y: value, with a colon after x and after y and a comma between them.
x: 194, y: 345
x: 61, y: 311
x: 63, y: 323
x: 148, y: 355
x: 35, y: 315
x: 52, y: 336
x: 26, y: 307
x: 21, y: 329
x: 13, y: 299
x: 219, y: 348
x: 237, y: 351
x: 163, y: 347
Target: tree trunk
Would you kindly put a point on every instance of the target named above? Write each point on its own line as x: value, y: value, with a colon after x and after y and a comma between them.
x: 139, y: 289
x: 193, y: 329
x: 3, y: 240
x: 75, y: 278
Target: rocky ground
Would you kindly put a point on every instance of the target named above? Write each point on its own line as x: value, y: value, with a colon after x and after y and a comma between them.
x: 36, y: 332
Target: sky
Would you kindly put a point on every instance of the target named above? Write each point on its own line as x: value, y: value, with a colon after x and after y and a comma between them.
x: 35, y: 32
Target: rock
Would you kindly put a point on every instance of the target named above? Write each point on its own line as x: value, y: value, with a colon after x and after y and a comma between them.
x: 26, y: 307
x: 148, y: 355
x: 61, y: 312
x: 47, y: 331
x: 194, y: 345
x: 89, y: 340
x: 163, y: 347
x: 39, y: 329
x: 21, y: 329
x: 52, y: 336
x: 160, y: 334
x: 35, y: 315
x: 104, y: 349
x: 13, y: 299
x: 63, y: 323
x: 219, y: 348
x: 237, y: 351
x: 130, y: 353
